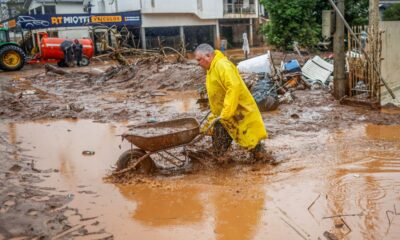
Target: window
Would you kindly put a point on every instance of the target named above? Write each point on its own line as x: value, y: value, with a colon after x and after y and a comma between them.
x: 3, y: 36
x: 153, y: 3
x: 38, y: 10
x: 32, y: 12
x: 49, y: 9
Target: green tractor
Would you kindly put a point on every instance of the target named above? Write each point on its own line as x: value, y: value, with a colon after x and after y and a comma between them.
x: 12, y: 56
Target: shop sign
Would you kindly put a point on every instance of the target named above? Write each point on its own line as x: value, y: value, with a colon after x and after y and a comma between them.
x: 131, y: 18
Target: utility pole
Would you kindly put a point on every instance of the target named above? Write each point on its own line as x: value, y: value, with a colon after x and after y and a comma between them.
x: 373, y: 39
x: 339, y: 78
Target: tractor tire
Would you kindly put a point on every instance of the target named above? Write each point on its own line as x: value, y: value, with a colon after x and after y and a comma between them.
x: 85, y: 61
x: 131, y: 156
x: 12, y: 58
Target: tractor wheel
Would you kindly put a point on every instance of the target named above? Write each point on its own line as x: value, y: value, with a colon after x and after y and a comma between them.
x: 85, y: 61
x: 130, y: 157
x: 12, y: 58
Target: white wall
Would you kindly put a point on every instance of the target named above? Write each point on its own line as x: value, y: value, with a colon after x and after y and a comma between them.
x: 73, y: 32
x: 171, y: 20
x: 209, y: 8
x: 126, y: 5
x: 61, y: 7
x: 390, y: 69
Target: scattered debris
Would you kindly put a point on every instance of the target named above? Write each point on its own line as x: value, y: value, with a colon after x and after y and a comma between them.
x: 317, y: 69
x: 88, y: 153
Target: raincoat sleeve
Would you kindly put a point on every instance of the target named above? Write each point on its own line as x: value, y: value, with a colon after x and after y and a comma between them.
x: 231, y: 82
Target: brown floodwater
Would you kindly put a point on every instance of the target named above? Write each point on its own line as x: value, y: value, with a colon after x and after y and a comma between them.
x: 183, y: 102
x: 343, y: 182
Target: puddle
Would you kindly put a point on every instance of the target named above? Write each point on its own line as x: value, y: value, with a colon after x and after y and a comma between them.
x: 323, y: 175
x: 391, y: 110
x: 181, y: 102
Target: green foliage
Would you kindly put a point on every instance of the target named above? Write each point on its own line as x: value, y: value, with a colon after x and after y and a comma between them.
x: 301, y: 20
x: 356, y: 12
x: 291, y: 20
x: 392, y: 13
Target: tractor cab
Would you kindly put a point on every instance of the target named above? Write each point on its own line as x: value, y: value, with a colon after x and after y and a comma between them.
x: 12, y: 56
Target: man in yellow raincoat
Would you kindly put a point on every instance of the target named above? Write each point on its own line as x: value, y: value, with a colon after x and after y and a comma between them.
x: 232, y: 104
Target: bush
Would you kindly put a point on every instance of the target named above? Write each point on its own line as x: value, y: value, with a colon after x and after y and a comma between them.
x: 291, y: 20
x: 392, y: 13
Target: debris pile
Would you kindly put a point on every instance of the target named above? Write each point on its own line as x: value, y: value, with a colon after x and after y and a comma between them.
x: 275, y: 85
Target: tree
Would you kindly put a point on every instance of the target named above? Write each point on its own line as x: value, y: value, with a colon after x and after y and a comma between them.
x: 356, y: 12
x: 392, y: 13
x: 300, y: 20
x: 291, y: 20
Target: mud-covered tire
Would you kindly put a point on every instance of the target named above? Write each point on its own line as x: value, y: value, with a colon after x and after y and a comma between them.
x: 17, y: 62
x: 85, y: 61
x: 131, y: 156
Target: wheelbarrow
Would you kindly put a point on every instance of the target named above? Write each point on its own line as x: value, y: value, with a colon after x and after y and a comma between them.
x: 158, y: 139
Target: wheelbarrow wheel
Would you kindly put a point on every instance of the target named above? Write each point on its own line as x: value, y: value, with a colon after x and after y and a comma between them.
x: 130, y: 157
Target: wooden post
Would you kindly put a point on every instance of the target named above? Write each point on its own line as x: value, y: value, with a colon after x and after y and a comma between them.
x: 339, y: 81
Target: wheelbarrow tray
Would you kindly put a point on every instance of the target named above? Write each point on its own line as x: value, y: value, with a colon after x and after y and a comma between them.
x: 162, y: 135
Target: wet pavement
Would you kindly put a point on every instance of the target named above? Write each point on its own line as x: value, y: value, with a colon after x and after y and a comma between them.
x: 345, y: 182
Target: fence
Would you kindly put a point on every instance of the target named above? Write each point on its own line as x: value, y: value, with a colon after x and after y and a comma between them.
x: 234, y: 8
x: 364, y: 82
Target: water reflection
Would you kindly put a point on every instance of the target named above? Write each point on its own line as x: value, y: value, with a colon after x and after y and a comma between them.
x: 159, y: 207
x: 237, y: 216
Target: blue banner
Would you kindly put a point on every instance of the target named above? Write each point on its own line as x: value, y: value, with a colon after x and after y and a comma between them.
x: 78, y: 20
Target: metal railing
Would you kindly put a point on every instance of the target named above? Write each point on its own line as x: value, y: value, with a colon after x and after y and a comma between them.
x: 233, y: 8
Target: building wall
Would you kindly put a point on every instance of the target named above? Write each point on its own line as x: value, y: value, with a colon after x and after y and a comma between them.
x: 72, y: 33
x: 390, y: 65
x: 126, y: 5
x: 61, y: 7
x: 170, y: 20
x: 204, y: 9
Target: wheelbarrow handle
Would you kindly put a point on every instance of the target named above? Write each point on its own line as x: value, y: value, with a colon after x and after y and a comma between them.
x: 205, y: 117
x: 201, y: 135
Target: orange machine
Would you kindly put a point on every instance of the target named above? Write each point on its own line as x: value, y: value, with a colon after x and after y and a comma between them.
x: 50, y: 50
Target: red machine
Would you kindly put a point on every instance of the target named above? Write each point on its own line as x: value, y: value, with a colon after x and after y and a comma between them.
x: 50, y: 50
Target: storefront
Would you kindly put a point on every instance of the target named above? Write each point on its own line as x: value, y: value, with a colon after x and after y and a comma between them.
x: 72, y: 26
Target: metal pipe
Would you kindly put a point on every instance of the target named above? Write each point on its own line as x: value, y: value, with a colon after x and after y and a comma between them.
x: 363, y: 51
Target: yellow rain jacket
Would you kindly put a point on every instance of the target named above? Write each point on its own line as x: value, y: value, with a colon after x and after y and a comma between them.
x: 230, y: 99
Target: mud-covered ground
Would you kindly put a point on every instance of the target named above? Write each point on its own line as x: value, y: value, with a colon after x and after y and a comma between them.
x: 43, y: 199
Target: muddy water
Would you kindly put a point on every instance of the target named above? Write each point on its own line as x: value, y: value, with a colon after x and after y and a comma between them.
x: 343, y: 182
x: 182, y: 102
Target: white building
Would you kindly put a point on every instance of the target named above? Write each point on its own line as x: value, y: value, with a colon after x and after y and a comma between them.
x: 197, y: 21
x: 59, y: 7
x: 172, y: 21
